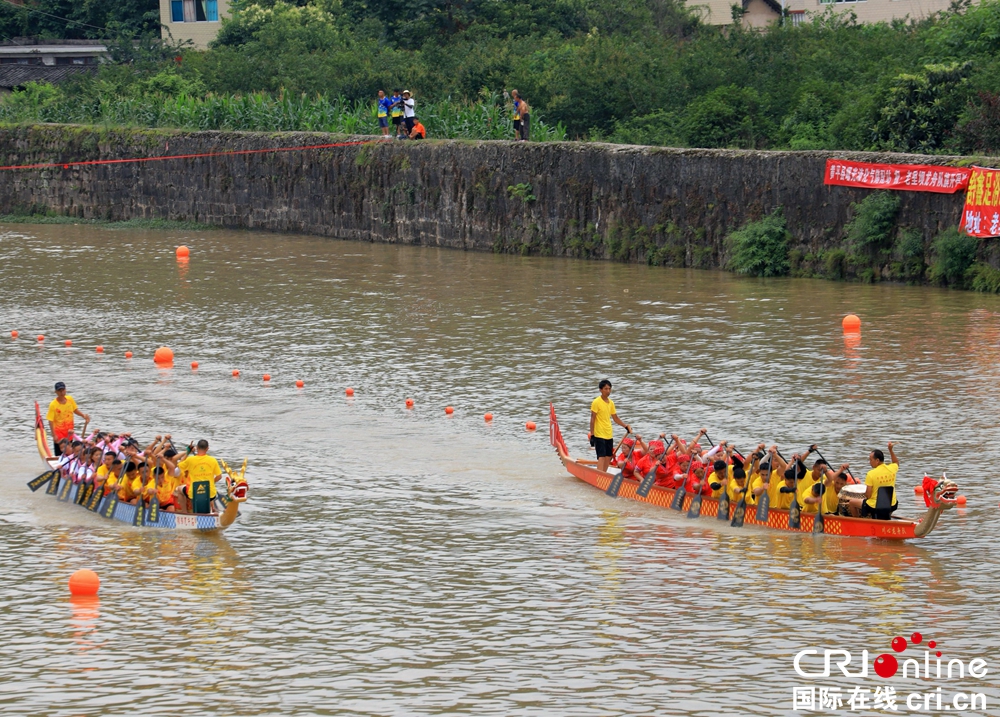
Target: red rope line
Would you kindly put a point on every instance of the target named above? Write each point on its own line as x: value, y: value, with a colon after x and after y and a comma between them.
x: 132, y: 160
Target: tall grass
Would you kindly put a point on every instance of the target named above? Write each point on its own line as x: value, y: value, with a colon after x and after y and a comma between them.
x: 485, y: 119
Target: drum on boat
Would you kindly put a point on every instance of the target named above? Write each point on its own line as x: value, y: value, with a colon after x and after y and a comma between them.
x: 847, y: 493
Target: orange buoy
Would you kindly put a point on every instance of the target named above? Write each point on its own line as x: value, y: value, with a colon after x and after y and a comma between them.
x: 128, y: 354
x: 13, y: 334
x: 84, y: 582
x: 41, y: 337
x: 99, y: 349
x: 163, y: 355
x: 194, y: 365
x: 409, y: 403
x: 300, y: 383
x: 851, y: 322
x: 267, y: 377
x: 919, y: 490
x: 236, y: 372
x: 449, y: 410
x: 183, y: 252
x: 960, y: 500
x: 349, y: 391
x: 488, y: 417
x: 68, y: 342
x: 530, y: 425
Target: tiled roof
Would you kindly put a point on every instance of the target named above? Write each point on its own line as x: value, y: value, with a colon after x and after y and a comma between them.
x: 17, y: 75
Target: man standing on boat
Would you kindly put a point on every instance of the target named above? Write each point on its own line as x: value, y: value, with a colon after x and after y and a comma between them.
x: 60, y: 416
x: 200, y: 471
x: 602, y: 413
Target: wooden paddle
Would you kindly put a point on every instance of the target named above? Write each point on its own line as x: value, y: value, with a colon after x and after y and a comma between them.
x: 741, y: 507
x: 108, y: 510
x: 154, y: 501
x: 681, y: 491
x: 36, y: 483
x: 647, y: 481
x: 616, y: 482
x: 68, y: 488
x: 140, y: 514
x: 794, y: 510
x: 694, y: 510
x: 764, y: 501
x: 723, y: 512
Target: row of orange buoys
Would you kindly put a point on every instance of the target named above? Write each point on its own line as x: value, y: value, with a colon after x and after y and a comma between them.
x: 163, y: 357
x: 450, y: 411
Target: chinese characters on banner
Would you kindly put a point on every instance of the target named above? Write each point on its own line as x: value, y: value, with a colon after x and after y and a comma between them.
x: 981, y: 216
x: 909, y: 177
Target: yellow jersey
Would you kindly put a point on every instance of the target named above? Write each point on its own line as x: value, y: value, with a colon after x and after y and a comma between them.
x: 805, y: 491
x: 197, y: 468
x: 733, y: 490
x: 757, y: 482
x: 60, y: 415
x: 604, y: 410
x: 883, y: 475
x: 713, y: 477
x: 831, y: 500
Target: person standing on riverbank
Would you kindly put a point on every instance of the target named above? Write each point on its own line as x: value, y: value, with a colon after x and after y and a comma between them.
x: 525, y: 111
x: 396, y: 111
x: 60, y: 416
x: 382, y: 112
x: 409, y: 111
x: 516, y: 99
x: 602, y: 413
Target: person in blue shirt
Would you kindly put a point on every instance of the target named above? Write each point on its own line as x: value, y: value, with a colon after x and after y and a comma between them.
x: 382, y: 110
x: 396, y: 112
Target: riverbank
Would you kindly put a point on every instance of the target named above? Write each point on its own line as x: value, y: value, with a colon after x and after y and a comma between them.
x: 670, y: 207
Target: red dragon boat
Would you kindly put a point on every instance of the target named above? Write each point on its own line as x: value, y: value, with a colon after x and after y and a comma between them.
x: 938, y: 495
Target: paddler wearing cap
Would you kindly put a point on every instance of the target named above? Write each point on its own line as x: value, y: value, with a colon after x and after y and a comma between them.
x: 602, y: 413
x: 60, y: 416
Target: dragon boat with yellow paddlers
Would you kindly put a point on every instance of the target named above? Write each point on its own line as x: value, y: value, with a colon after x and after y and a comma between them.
x: 68, y: 488
x: 939, y: 496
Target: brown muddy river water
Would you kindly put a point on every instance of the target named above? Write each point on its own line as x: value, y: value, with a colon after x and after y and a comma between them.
x: 394, y: 562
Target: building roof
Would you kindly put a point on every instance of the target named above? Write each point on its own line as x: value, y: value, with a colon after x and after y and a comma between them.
x: 17, y: 75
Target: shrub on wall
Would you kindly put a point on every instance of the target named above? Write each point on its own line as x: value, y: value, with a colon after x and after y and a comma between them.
x: 954, y: 255
x: 760, y: 248
x: 983, y: 277
x: 869, y: 232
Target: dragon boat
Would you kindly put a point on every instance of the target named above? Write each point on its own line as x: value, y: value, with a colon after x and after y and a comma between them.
x: 65, y: 490
x: 939, y: 496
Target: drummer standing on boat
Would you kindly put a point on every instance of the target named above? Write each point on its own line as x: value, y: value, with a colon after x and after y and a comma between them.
x: 60, y: 415
x: 602, y: 413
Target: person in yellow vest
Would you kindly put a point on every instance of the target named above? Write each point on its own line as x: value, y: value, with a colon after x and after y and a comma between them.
x: 602, y: 413
x: 880, y: 485
x: 60, y: 416
x: 201, y: 471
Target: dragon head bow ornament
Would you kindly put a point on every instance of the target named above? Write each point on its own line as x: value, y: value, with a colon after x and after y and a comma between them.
x: 939, y: 495
x: 236, y: 482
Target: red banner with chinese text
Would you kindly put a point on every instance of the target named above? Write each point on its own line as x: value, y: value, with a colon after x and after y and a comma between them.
x: 906, y: 177
x: 981, y: 215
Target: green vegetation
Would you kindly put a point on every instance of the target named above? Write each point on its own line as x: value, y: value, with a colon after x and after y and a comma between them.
x: 955, y: 254
x: 634, y: 71
x: 760, y: 248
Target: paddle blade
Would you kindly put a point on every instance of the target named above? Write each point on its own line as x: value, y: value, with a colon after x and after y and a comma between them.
x: 740, y: 513
x: 153, y: 516
x: 678, y: 502
x: 795, y: 515
x: 36, y: 483
x: 108, y: 511
x: 64, y: 490
x: 616, y: 485
x: 695, y: 509
x: 647, y: 484
x: 54, y: 485
x: 723, y: 513
x: 140, y: 513
x: 94, y: 501
x: 763, y: 508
